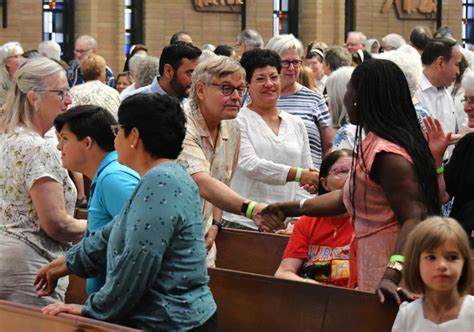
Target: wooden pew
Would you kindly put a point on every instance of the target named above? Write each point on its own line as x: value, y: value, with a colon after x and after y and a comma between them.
x: 251, y: 302
x: 19, y: 317
x: 249, y: 251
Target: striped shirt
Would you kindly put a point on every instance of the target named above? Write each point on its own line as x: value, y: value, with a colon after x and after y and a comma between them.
x: 312, y: 109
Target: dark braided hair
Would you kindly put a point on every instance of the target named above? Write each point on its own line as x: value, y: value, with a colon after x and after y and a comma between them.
x: 384, y: 107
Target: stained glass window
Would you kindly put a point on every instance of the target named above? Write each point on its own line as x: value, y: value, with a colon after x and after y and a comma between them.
x: 58, y: 24
x: 468, y: 22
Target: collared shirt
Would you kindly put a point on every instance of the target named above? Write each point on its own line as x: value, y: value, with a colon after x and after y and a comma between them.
x: 111, y: 188
x: 74, y: 75
x: 154, y: 87
x: 441, y: 106
x: 439, y: 102
x: 201, y: 155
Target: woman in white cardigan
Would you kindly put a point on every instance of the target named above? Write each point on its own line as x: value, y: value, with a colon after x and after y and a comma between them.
x: 274, y: 159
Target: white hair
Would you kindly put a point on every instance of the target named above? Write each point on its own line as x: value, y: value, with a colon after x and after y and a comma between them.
x: 133, y: 63
x: 467, y: 82
x: 31, y: 76
x: 89, y: 39
x: 206, y: 54
x: 336, y: 86
x: 6, y: 50
x: 393, y: 41
x: 208, y: 47
x: 362, y: 38
x: 282, y: 43
x: 409, y: 61
x: 250, y: 38
x: 50, y: 49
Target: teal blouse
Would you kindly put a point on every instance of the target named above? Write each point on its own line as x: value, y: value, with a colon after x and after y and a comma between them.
x: 153, y: 255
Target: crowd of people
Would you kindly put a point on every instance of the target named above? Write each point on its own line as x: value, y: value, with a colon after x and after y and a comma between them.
x: 362, y: 152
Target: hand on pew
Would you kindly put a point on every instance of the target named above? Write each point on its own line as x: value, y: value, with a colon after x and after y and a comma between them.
x: 57, y: 308
x: 390, y: 290
x: 266, y: 224
x: 47, y: 278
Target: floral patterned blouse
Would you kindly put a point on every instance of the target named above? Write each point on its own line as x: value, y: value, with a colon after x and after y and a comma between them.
x: 27, y: 157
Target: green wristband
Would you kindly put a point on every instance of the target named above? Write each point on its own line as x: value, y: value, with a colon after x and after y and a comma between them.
x: 299, y: 172
x: 440, y: 169
x: 249, y: 211
x: 397, y: 258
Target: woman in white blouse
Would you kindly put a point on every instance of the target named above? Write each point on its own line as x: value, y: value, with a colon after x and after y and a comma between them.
x: 274, y: 158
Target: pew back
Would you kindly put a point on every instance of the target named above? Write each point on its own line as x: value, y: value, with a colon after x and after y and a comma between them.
x: 18, y: 317
x: 250, y: 302
x: 249, y: 251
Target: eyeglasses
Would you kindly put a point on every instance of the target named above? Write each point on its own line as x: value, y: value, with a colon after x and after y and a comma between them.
x: 116, y: 128
x: 287, y: 63
x: 264, y: 79
x: 228, y: 90
x: 82, y: 51
x: 469, y: 100
x: 60, y: 93
x: 340, y: 171
x: 237, y: 46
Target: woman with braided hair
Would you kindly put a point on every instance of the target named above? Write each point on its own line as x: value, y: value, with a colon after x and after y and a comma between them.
x: 392, y: 185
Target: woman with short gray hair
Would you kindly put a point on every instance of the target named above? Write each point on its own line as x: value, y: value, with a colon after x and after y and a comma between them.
x: 299, y: 100
x: 10, y: 59
x: 37, y: 197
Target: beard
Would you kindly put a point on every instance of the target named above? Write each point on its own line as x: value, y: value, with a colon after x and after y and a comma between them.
x: 178, y: 88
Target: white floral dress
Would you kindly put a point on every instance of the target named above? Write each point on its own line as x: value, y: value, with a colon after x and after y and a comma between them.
x: 27, y: 157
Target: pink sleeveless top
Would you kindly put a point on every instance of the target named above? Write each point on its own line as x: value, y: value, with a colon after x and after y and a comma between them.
x: 375, y: 226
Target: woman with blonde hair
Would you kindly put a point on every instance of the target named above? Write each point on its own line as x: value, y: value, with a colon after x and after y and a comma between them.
x: 36, y: 195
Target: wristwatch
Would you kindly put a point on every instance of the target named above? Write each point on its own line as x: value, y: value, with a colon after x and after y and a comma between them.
x: 396, y: 266
x: 218, y: 224
x: 245, y: 206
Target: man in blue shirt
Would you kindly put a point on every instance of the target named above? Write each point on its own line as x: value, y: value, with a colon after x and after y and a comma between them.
x: 87, y: 146
x: 85, y: 45
x: 177, y: 63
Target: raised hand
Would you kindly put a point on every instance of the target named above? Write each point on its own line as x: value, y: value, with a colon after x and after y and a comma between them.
x: 438, y: 141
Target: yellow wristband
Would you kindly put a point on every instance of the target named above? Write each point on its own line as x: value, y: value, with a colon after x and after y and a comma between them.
x: 440, y: 169
x: 299, y: 172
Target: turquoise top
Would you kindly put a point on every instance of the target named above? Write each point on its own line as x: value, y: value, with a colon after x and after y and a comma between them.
x: 111, y: 188
x: 154, y: 257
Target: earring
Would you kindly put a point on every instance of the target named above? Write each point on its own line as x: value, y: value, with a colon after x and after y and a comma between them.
x: 355, y: 104
x: 132, y: 146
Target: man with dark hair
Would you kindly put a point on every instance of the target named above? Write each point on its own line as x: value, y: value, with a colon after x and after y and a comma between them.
x: 181, y: 36
x: 177, y: 63
x: 441, y: 59
x: 419, y: 37
x: 87, y: 146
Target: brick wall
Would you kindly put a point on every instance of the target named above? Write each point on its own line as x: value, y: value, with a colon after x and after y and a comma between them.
x: 321, y: 20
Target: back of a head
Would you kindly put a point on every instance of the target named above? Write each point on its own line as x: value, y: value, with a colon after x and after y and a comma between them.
x: 259, y: 58
x: 444, y: 32
x: 437, y: 47
x: 225, y: 50
x: 180, y: 36
x: 133, y: 63
x: 50, y: 49
x: 217, y: 66
x: 174, y: 53
x: 93, y: 67
x: 306, y: 78
x: 160, y: 121
x: 148, y: 68
x: 420, y: 36
x: 392, y: 41
x: 282, y: 43
x: 89, y: 120
x: 459, y: 172
x: 408, y: 59
x: 427, y: 236
x: 336, y: 86
x: 29, y: 77
x: 337, y: 57
x: 250, y: 38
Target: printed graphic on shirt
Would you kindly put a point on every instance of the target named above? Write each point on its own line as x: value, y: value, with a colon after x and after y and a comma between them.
x: 326, y: 264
